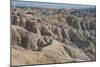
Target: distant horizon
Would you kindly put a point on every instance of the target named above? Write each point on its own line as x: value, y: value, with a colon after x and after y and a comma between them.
x: 49, y: 4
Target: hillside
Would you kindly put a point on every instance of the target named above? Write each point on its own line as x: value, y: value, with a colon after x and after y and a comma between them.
x: 45, y: 36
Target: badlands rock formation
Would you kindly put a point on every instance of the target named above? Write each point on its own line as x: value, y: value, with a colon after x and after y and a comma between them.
x: 45, y: 36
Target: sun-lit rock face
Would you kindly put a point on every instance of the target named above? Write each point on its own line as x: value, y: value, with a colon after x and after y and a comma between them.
x: 43, y: 35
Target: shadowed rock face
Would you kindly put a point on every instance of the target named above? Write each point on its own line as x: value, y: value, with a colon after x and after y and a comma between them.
x: 42, y: 35
x: 73, y: 22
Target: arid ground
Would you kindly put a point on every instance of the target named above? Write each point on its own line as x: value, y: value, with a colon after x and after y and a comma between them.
x: 47, y: 35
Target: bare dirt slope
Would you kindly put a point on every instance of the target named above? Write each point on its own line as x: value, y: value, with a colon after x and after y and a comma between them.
x: 44, y: 35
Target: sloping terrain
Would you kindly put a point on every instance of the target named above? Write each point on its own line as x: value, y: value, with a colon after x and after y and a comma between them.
x: 44, y: 35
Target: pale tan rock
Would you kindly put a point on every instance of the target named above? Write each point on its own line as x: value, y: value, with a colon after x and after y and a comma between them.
x: 43, y: 35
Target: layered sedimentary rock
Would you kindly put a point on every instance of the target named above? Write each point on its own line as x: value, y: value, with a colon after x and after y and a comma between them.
x: 44, y: 35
